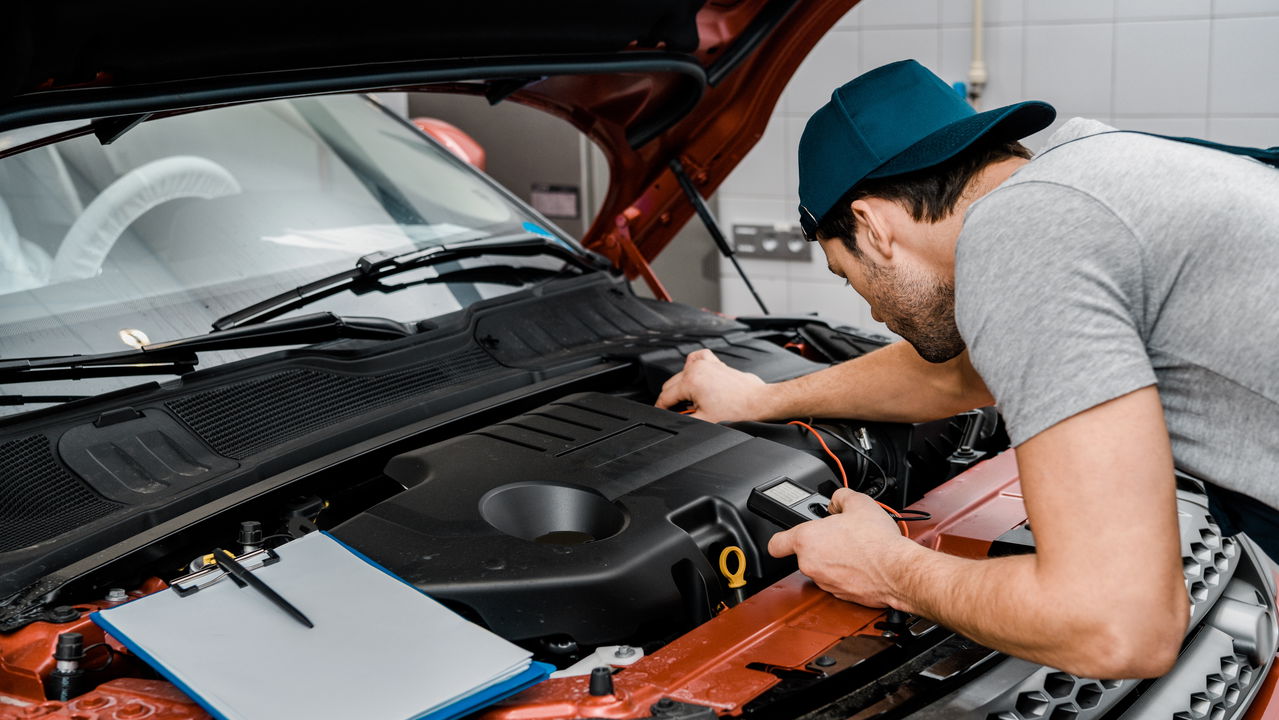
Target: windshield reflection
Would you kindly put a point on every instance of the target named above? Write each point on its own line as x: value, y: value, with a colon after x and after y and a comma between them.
x: 186, y: 218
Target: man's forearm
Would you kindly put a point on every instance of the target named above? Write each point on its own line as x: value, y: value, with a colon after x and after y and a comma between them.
x: 1004, y: 603
x: 995, y: 602
x: 1092, y: 626
x: 891, y: 384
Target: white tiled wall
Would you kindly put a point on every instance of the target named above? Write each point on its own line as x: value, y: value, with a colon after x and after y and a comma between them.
x: 1205, y: 68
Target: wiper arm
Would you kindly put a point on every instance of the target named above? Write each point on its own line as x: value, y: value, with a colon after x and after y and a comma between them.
x: 370, y: 268
x: 178, y: 357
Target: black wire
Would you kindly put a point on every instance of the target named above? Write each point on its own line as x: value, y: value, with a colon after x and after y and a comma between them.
x: 908, y: 515
x: 110, y: 656
x: 903, y: 515
x: 882, y: 475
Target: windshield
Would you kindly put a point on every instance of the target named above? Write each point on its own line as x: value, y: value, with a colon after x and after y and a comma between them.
x: 185, y: 219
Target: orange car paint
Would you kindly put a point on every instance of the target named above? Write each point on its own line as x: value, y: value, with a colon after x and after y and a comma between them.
x: 26, y: 656
x: 124, y: 699
x: 454, y: 139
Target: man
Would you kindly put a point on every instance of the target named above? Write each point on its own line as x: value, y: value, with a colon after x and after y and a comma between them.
x: 1114, y: 296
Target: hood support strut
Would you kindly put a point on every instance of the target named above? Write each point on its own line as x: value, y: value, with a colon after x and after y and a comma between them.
x: 712, y: 226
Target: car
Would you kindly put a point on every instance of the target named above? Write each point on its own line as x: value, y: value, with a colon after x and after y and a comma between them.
x: 241, y: 301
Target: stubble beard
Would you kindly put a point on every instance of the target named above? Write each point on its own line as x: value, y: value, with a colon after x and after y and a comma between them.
x: 920, y: 308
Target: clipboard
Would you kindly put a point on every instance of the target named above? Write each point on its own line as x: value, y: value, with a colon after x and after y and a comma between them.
x: 379, y: 648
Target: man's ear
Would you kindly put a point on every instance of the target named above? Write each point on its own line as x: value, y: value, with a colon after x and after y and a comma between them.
x: 875, y: 235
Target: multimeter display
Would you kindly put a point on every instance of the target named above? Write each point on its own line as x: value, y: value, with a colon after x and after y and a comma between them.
x: 787, y: 503
x: 787, y: 493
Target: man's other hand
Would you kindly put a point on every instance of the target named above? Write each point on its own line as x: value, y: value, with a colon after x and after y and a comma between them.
x: 716, y: 391
x: 852, y: 554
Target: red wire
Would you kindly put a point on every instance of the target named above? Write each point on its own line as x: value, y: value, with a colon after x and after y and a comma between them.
x: 900, y: 525
x: 905, y: 530
x: 825, y: 447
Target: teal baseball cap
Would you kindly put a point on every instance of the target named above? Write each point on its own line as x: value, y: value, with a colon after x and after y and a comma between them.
x: 893, y: 120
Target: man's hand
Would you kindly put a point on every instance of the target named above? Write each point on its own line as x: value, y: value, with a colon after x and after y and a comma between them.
x: 853, y: 553
x: 716, y: 391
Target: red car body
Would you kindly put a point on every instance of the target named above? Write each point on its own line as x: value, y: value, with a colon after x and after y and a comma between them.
x: 742, y: 652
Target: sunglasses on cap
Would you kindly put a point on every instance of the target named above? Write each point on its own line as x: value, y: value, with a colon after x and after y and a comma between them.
x: 807, y: 224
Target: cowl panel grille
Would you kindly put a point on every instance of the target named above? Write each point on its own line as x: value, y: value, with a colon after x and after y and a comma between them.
x: 242, y: 419
x: 39, y: 500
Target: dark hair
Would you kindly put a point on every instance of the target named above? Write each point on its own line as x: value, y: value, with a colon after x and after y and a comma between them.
x: 929, y: 195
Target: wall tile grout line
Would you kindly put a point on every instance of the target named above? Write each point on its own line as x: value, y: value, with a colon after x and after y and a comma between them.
x: 938, y: 30
x: 1024, y: 35
x: 1212, y: 28
x: 1114, y: 60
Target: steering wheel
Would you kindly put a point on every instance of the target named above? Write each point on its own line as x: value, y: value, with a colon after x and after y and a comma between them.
x: 95, y: 232
x: 23, y: 264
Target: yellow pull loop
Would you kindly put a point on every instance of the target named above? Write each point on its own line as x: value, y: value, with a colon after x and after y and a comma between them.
x: 736, y: 578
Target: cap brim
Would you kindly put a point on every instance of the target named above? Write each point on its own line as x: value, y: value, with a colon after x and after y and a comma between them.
x: 1011, y: 122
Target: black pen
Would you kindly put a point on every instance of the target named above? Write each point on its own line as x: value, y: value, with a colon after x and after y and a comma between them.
x: 243, y: 577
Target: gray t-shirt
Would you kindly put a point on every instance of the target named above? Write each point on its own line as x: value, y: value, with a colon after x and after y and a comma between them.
x: 1115, y: 262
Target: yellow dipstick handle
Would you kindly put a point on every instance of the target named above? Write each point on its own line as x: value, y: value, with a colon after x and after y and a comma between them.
x: 736, y: 578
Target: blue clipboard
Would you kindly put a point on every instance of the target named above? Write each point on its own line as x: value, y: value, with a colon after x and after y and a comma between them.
x: 204, y: 643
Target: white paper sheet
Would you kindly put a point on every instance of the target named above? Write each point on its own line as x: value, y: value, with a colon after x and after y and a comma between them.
x: 379, y: 648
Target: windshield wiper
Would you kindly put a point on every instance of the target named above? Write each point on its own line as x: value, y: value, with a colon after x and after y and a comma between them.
x: 369, y: 269
x: 178, y: 357
x: 8, y: 400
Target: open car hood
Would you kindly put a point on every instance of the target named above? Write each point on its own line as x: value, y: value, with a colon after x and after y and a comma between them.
x: 650, y: 81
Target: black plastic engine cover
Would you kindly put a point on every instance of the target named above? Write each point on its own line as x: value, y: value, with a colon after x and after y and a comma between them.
x: 593, y: 517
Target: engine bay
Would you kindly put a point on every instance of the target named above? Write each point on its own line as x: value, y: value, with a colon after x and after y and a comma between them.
x: 514, y: 468
x: 571, y: 521
x: 594, y: 523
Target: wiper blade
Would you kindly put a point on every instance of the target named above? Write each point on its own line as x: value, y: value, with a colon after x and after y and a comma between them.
x: 370, y: 268
x: 12, y: 400
x: 178, y: 357
x: 82, y: 367
x: 510, y: 275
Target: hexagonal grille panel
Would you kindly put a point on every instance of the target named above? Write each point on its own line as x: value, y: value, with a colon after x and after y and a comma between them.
x: 1033, y: 704
x: 1207, y: 559
x: 1089, y: 695
x: 1212, y: 680
x: 1056, y: 695
x: 1060, y: 684
x: 1222, y: 690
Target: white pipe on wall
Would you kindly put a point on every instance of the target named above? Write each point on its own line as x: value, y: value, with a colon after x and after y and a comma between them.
x: 977, y: 75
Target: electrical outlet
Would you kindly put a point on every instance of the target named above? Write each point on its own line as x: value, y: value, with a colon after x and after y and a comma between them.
x: 782, y: 241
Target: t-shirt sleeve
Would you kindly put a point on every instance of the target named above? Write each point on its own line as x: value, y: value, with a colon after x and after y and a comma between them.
x: 1049, y: 299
